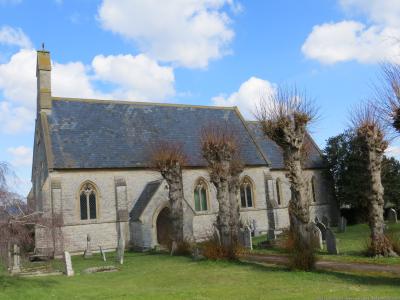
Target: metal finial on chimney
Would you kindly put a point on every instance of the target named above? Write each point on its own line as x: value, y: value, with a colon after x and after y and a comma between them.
x: 42, y: 46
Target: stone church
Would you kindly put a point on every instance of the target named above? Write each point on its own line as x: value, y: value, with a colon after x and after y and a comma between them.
x: 91, y: 169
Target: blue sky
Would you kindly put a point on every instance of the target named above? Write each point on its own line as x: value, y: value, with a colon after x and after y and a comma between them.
x: 210, y: 52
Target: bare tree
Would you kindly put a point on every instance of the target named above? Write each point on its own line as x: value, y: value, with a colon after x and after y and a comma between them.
x: 388, y: 96
x: 284, y: 117
x: 220, y: 149
x: 169, y: 159
x: 371, y: 133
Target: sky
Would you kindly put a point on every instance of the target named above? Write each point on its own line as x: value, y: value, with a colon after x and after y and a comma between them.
x: 206, y: 52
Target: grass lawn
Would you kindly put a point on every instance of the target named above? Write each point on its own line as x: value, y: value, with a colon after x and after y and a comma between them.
x: 351, y: 245
x: 158, y: 276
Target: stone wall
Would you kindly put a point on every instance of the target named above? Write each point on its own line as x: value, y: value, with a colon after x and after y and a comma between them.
x: 118, y: 191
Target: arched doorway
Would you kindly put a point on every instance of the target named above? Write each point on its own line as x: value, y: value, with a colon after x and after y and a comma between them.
x: 164, y: 227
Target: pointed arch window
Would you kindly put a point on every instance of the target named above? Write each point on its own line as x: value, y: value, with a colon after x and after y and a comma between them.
x: 246, y: 193
x: 88, y: 202
x: 200, y: 196
x: 313, y: 194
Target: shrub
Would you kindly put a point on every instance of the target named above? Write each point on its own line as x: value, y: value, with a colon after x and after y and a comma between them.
x: 211, y: 249
x: 302, y: 255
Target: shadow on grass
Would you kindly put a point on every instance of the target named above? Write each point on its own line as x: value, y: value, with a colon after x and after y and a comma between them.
x: 7, y: 281
x: 354, y: 278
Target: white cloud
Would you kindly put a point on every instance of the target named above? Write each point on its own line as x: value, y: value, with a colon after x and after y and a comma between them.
x: 379, y: 11
x: 352, y: 40
x: 247, y: 97
x: 14, y: 37
x: 18, y: 78
x: 189, y: 33
x: 15, y: 119
x: 21, y: 156
x: 137, y: 77
x: 132, y: 77
x: 393, y: 151
x: 349, y: 40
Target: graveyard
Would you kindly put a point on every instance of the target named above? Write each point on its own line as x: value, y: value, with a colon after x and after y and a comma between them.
x: 158, y: 275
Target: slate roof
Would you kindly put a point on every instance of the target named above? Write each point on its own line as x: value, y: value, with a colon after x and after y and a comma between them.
x: 274, y: 153
x: 108, y: 134
x: 144, y: 199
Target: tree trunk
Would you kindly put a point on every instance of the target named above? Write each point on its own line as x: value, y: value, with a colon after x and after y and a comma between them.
x: 223, y: 214
x: 234, y: 188
x: 173, y: 176
x: 299, y: 212
x: 380, y: 245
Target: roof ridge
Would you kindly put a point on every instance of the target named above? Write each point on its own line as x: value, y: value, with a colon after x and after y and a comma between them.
x: 143, y: 103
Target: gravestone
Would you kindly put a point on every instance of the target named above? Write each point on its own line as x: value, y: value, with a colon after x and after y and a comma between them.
x: 16, y: 261
x: 103, y: 254
x: 69, y: 271
x: 88, y: 252
x: 217, y: 236
x: 392, y: 216
x: 255, y: 229
x: 325, y: 221
x: 342, y: 224
x: 174, y: 247
x: 331, y: 242
x: 245, y: 238
x: 120, y: 250
x: 322, y: 228
x: 316, y: 237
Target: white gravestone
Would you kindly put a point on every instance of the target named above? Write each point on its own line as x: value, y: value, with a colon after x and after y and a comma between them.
x: 121, y: 250
x: 69, y: 271
x: 88, y: 251
x: 103, y: 254
x: 16, y: 266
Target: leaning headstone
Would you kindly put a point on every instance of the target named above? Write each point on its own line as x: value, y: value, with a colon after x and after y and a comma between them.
x: 331, y: 242
x: 247, y: 240
x: 121, y: 250
x: 16, y: 265
x: 392, y: 216
x: 69, y: 271
x: 342, y: 224
x: 322, y: 228
x: 316, y: 237
x: 88, y: 252
x: 325, y: 221
x: 103, y: 254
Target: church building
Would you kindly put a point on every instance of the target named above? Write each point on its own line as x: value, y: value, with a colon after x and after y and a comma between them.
x: 91, y: 170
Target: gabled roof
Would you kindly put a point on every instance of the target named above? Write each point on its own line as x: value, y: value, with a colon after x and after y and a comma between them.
x: 275, y: 155
x: 110, y: 134
x: 144, y: 199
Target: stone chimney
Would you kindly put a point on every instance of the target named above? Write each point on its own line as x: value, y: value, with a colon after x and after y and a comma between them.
x: 43, y: 75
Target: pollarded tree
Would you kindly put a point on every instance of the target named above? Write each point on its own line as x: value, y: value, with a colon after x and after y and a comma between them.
x: 169, y: 159
x: 284, y: 117
x: 220, y: 149
x: 388, y: 95
x: 370, y: 131
x: 236, y: 168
